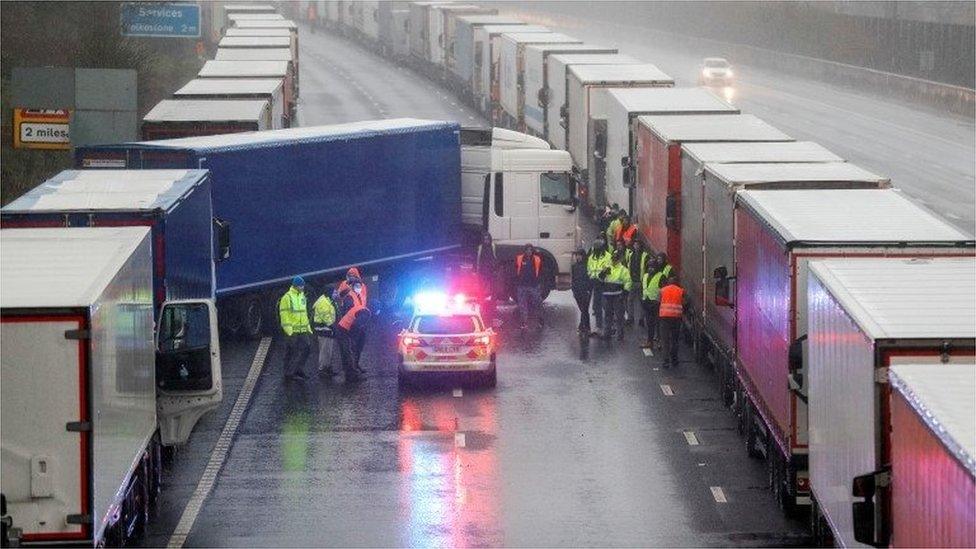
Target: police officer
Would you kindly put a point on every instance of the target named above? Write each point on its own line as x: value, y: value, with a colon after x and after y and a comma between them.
x: 323, y: 321
x: 616, y: 283
x: 293, y: 314
x: 596, y: 261
x: 651, y: 281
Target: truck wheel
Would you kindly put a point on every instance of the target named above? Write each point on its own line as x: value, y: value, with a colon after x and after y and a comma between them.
x: 230, y: 319
x: 752, y: 432
x: 252, y: 318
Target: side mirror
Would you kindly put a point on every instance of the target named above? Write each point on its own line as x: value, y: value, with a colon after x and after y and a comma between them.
x: 624, y: 161
x: 869, y: 527
x: 543, y: 96
x: 222, y: 233
x: 563, y: 113
x: 672, y: 220
x: 795, y: 362
x: 723, y: 287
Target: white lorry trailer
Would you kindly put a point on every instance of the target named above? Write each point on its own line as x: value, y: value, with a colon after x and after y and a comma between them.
x: 77, y: 315
x: 484, y: 84
x: 510, y: 74
x: 269, y: 89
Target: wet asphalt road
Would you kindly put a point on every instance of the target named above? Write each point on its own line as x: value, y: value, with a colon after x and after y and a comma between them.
x: 564, y: 452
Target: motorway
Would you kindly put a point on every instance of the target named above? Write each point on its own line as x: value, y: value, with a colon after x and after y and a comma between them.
x: 931, y: 155
x: 609, y: 450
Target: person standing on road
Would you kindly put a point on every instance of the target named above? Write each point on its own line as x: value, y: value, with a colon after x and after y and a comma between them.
x: 485, y: 263
x: 323, y: 324
x: 352, y: 277
x: 651, y: 282
x: 672, y: 307
x: 293, y: 314
x: 635, y: 255
x: 616, y: 283
x: 626, y: 231
x: 528, y: 270
x: 611, y: 230
x: 582, y: 287
x: 351, y: 330
x: 598, y: 259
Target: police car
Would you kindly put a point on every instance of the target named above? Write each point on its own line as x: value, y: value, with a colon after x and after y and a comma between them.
x: 446, y: 335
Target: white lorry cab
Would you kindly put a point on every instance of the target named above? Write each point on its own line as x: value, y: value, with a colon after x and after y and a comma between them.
x: 519, y: 189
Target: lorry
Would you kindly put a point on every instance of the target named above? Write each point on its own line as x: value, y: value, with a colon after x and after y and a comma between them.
x: 777, y: 234
x: 708, y: 204
x: 509, y: 74
x: 857, y: 336
x: 443, y: 28
x: 391, y: 22
x: 267, y: 89
x: 657, y: 196
x: 172, y: 118
x: 555, y: 94
x: 932, y: 455
x: 419, y: 32
x: 583, y: 84
x: 80, y: 445
x: 485, y: 84
x: 461, y: 54
x: 282, y: 70
x: 533, y: 95
x: 613, y: 113
x: 412, y: 164
x: 186, y: 240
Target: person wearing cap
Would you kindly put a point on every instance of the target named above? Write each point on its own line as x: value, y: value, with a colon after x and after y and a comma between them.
x: 597, y: 260
x: 352, y: 277
x: 293, y: 314
x: 582, y: 286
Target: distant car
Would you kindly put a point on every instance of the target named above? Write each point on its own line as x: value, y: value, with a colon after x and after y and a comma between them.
x: 715, y: 71
x: 446, y: 335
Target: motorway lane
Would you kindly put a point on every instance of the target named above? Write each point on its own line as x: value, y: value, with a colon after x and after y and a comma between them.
x: 929, y: 154
x: 563, y: 452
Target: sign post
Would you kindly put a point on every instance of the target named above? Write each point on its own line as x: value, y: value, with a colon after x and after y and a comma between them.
x: 42, y: 129
x: 161, y: 19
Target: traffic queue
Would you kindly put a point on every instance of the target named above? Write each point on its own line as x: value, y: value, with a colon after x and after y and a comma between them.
x: 731, y: 218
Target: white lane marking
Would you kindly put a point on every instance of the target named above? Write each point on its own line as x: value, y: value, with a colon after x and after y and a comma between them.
x: 647, y: 352
x: 718, y: 494
x: 951, y: 215
x: 458, y: 393
x: 666, y: 389
x: 691, y: 438
x: 220, y: 451
x: 459, y: 440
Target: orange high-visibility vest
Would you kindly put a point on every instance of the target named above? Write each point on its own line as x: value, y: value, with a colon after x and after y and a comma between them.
x: 358, y: 304
x: 672, y: 298
x: 627, y: 235
x: 536, y: 262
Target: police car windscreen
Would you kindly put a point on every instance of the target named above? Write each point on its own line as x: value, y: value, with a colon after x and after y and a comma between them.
x: 448, y: 324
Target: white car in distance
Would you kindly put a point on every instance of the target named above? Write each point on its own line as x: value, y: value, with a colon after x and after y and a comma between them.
x: 715, y: 71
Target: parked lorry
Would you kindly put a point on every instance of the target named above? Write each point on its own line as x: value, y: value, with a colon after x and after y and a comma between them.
x: 777, y: 234
x: 186, y: 241
x: 443, y: 28
x: 392, y: 18
x: 657, y: 197
x: 266, y: 89
x: 406, y: 172
x: 613, y: 113
x: 419, y: 32
x: 508, y: 77
x: 855, y: 336
x: 487, y: 52
x: 533, y: 94
x: 80, y: 448
x: 279, y: 70
x: 555, y: 94
x: 933, y: 493
x: 583, y: 84
x: 263, y: 32
x: 172, y: 118
x: 461, y: 54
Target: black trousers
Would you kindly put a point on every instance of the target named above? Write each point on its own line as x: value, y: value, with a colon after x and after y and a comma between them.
x: 670, y: 332
x: 350, y: 348
x: 582, y: 298
x: 613, y: 314
x: 297, y: 349
x: 651, y: 311
x: 598, y: 307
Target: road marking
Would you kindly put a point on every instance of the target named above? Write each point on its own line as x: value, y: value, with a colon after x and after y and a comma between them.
x: 666, y: 389
x: 647, y: 352
x: 220, y: 451
x: 458, y: 393
x: 718, y: 494
x: 951, y: 215
x: 691, y: 438
x: 459, y: 440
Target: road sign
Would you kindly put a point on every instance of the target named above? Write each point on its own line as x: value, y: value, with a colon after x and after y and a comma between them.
x: 41, y: 129
x: 161, y: 19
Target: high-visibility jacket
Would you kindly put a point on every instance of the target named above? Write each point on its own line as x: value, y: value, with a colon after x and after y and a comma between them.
x: 651, y: 285
x: 627, y: 235
x: 596, y: 262
x: 672, y: 301
x: 344, y: 286
x: 536, y: 263
x: 323, y: 311
x: 617, y: 280
x: 293, y: 312
x: 358, y: 304
x: 643, y: 263
x: 612, y: 230
x: 481, y: 250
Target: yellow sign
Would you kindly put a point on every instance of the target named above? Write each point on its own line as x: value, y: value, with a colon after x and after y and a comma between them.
x: 41, y: 129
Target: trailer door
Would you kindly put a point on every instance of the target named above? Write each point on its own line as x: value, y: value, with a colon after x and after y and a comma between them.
x: 188, y: 378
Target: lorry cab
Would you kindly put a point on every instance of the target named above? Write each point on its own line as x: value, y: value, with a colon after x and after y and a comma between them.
x: 519, y: 189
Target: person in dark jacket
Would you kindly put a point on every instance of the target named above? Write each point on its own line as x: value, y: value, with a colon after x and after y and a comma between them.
x: 582, y: 288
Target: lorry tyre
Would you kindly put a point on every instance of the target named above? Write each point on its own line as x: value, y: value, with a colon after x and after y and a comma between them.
x: 752, y: 431
x: 252, y: 318
x: 230, y: 319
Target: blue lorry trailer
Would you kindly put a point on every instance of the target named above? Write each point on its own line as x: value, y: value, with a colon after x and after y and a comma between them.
x: 174, y: 204
x: 314, y: 202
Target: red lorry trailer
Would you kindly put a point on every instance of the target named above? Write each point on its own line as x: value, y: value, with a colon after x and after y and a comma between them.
x: 777, y: 234
x: 867, y: 316
x: 933, y: 451
x: 708, y: 195
x: 657, y: 198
